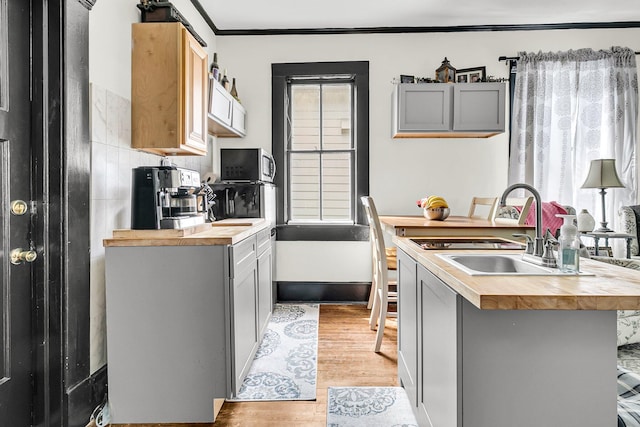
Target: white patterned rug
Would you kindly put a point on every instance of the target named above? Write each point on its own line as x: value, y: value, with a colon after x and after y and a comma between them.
x: 369, y: 406
x: 285, y: 365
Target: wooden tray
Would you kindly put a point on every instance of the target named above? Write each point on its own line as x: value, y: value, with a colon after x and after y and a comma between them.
x: 169, y: 232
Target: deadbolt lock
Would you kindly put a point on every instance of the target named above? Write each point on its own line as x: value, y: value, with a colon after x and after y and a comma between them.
x: 19, y: 207
x: 18, y: 256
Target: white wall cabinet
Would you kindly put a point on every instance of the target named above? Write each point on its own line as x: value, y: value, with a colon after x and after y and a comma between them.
x: 226, y: 115
x: 458, y: 110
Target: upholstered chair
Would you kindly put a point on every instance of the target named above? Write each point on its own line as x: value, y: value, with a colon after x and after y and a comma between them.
x: 629, y: 217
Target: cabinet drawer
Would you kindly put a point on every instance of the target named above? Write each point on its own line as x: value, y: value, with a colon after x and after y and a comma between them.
x: 242, y: 253
x: 263, y: 240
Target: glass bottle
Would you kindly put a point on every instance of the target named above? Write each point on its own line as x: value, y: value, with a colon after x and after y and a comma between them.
x: 215, y: 69
x: 234, y: 91
x: 225, y: 80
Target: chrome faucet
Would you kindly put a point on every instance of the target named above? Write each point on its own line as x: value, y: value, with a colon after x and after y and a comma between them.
x: 538, y: 243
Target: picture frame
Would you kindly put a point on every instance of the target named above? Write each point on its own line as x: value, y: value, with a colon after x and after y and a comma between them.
x: 602, y: 251
x: 406, y: 79
x: 471, y: 75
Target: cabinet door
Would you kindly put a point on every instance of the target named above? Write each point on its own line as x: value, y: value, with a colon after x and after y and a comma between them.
x: 478, y: 107
x: 244, y: 300
x: 424, y: 107
x: 407, y: 326
x: 195, y: 92
x: 265, y: 274
x: 238, y: 118
x: 168, y: 90
x: 221, y: 103
x: 438, y: 368
x: 265, y: 298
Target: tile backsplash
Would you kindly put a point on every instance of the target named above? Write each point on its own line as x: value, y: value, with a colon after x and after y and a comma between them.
x: 112, y: 159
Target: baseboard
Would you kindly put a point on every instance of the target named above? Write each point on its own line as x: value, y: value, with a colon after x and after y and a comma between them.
x: 338, y: 292
x: 85, y: 397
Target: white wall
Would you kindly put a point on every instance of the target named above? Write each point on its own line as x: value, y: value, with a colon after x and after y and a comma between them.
x: 111, y: 155
x: 402, y: 170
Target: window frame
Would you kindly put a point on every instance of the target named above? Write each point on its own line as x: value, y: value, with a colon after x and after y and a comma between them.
x: 280, y: 75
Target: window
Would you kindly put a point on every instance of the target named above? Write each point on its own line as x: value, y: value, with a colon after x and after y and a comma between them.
x: 320, y: 143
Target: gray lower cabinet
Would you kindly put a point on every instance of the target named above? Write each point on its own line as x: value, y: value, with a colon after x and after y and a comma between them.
x: 407, y: 326
x: 438, y: 347
x: 265, y: 275
x: 440, y: 110
x: 183, y: 325
x: 245, y: 330
x: 500, y: 368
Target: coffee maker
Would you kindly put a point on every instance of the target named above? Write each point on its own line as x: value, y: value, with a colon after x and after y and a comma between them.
x: 165, y: 197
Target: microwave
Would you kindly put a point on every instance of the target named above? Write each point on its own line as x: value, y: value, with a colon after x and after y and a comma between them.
x: 246, y: 164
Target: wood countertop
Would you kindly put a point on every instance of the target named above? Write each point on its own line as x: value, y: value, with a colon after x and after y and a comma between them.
x: 450, y: 222
x: 223, y: 232
x: 611, y: 288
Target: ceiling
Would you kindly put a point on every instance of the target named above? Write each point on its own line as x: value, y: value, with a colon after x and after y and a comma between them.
x: 284, y: 16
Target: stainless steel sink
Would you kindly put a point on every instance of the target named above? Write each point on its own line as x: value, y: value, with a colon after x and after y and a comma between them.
x: 499, y: 265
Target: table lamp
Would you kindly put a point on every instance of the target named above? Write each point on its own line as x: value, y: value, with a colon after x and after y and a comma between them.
x: 603, y: 175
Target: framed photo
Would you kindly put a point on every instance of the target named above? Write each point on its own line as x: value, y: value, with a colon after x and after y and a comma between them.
x: 406, y: 79
x: 471, y: 75
x: 602, y: 251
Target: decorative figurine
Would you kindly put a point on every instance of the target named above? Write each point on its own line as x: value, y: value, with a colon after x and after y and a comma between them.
x: 446, y: 73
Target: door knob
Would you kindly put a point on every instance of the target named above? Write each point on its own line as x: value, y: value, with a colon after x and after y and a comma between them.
x: 19, y: 207
x: 18, y: 256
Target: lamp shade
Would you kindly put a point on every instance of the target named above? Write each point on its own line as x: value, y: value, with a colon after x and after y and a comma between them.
x: 602, y: 174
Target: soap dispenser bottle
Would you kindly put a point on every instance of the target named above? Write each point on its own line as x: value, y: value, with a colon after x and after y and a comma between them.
x: 568, y: 246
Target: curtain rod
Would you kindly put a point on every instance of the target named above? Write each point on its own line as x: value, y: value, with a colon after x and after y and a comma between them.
x: 515, y: 58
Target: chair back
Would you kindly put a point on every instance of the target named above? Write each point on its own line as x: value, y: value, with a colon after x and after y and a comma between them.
x: 489, y: 202
x: 629, y: 220
x: 380, y: 277
x: 508, y: 214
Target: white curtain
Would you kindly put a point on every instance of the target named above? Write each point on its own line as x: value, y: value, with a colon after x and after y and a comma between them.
x: 568, y: 109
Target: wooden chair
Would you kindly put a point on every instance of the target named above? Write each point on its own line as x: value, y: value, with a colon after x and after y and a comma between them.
x: 508, y: 214
x: 380, y: 276
x: 490, y: 202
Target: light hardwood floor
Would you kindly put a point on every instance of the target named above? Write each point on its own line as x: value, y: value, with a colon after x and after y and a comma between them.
x: 345, y: 358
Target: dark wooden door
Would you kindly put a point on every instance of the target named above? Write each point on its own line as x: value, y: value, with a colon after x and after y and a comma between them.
x: 15, y: 217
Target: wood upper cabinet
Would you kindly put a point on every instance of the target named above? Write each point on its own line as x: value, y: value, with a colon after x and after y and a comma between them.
x: 169, y: 90
x: 439, y: 110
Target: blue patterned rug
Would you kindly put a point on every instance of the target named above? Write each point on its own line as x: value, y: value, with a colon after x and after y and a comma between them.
x: 369, y: 406
x: 285, y: 365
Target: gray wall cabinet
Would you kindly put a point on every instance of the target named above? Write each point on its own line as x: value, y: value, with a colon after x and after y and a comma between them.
x: 500, y: 368
x: 183, y: 325
x: 447, y: 110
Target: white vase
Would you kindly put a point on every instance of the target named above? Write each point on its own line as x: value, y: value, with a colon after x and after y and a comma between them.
x: 586, y: 222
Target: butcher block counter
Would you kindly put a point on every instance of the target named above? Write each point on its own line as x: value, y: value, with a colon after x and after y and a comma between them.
x: 504, y: 351
x: 609, y: 288
x: 223, y: 232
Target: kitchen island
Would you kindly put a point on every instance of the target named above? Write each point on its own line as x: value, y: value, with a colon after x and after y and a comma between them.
x: 186, y: 310
x: 498, y: 351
